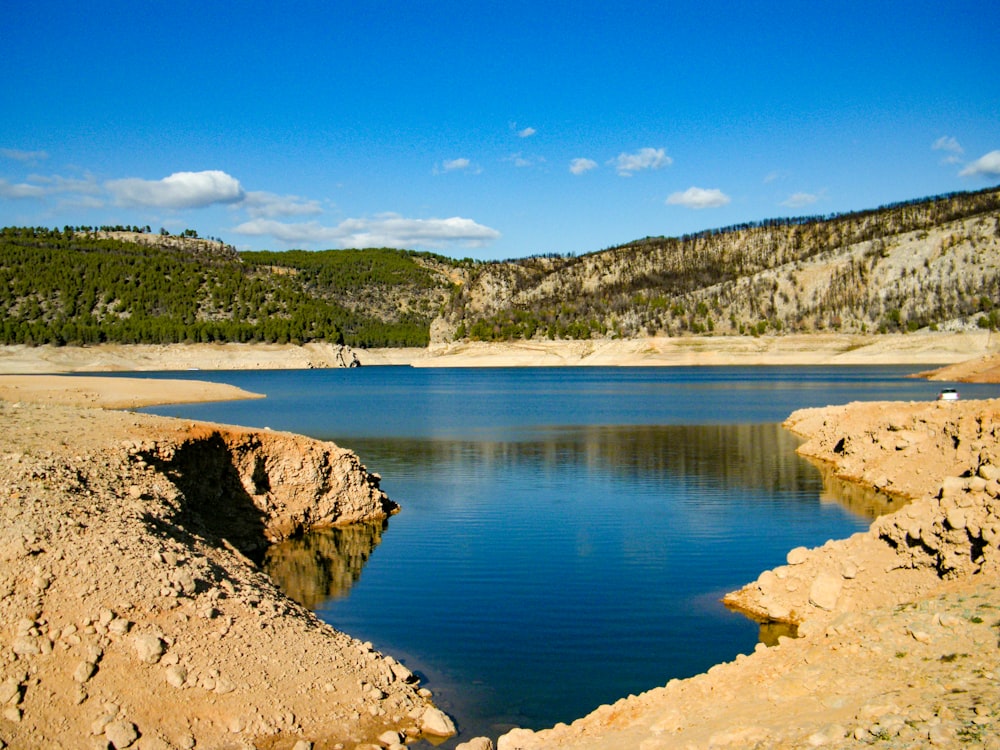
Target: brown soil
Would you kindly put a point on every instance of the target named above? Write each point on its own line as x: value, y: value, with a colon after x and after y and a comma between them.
x: 130, y: 613
x: 130, y: 617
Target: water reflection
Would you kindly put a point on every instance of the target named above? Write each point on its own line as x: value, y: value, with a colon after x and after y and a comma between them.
x: 323, y: 564
x: 860, y: 499
x: 730, y: 456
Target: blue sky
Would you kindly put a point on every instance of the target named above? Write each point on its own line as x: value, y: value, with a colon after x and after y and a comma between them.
x: 488, y: 129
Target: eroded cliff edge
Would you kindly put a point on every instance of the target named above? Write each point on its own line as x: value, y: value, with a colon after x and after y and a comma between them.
x: 132, y: 615
x: 898, y: 625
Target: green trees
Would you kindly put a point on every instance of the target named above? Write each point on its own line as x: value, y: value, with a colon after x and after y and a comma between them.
x: 66, y: 287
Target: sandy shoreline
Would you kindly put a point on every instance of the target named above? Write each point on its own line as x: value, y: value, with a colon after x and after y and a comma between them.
x: 920, y: 348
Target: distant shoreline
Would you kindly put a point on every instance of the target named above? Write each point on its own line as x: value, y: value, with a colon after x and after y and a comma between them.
x: 939, y: 348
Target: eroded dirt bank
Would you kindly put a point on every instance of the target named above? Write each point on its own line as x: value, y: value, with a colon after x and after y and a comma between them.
x: 130, y: 613
x: 899, y: 625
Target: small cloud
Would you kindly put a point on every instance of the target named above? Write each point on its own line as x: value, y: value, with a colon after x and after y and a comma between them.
x: 987, y: 165
x: 798, y: 200
x: 696, y: 197
x: 526, y: 132
x: 644, y: 158
x: 950, y: 146
x: 54, y: 184
x: 387, y: 230
x: 269, y: 205
x: 947, y: 143
x: 457, y: 165
x: 28, y: 157
x: 20, y: 191
x: 520, y: 160
x: 179, y: 190
x: 579, y: 166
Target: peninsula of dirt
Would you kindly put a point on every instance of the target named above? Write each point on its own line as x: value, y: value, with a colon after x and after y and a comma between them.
x: 133, y: 614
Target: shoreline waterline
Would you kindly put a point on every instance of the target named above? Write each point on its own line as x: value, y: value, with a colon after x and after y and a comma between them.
x: 923, y: 348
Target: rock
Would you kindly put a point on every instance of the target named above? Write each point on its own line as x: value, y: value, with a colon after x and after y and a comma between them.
x: 119, y: 626
x: 121, y: 734
x: 10, y: 691
x: 436, y: 722
x: 390, y: 737
x: 476, y: 743
x: 148, y: 647
x: 825, y: 591
x: 988, y: 472
x: 797, y: 556
x: 25, y: 646
x: 176, y: 675
x: 224, y: 685
x: 84, y: 671
x: 303, y: 745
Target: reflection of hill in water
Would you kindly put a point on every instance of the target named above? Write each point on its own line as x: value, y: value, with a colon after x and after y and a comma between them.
x: 865, y: 501
x: 728, y: 455
x: 322, y: 564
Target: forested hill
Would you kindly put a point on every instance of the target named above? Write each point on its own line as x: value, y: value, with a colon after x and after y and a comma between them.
x: 932, y: 263
x: 928, y: 263
x: 87, y: 286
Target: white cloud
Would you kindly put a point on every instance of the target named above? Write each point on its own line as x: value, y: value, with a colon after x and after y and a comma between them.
x: 987, y: 165
x: 696, y: 197
x: 644, y: 158
x: 951, y: 146
x: 798, y: 200
x: 450, y: 166
x: 947, y: 143
x: 53, y: 184
x: 520, y: 160
x: 179, y: 190
x: 20, y: 190
x: 29, y: 157
x: 579, y: 166
x: 269, y: 205
x: 386, y: 230
x: 526, y: 133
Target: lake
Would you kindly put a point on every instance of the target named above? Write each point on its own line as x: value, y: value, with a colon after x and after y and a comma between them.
x: 566, y: 533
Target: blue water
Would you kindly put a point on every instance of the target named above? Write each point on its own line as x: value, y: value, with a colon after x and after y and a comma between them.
x: 565, y: 534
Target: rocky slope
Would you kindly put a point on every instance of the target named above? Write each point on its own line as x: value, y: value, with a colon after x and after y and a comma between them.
x: 132, y: 615
x: 904, y: 267
x: 898, y: 625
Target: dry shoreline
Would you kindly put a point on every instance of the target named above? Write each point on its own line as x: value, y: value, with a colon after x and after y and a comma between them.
x: 921, y: 348
x: 131, y: 614
x: 894, y: 651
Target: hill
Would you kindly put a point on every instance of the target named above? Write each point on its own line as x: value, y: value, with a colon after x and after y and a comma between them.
x: 927, y: 263
x: 932, y: 263
x: 84, y: 286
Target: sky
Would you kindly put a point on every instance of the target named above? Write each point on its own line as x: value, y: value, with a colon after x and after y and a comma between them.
x: 487, y: 129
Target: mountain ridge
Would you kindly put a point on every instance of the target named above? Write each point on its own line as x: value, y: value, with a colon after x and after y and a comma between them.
x: 931, y: 263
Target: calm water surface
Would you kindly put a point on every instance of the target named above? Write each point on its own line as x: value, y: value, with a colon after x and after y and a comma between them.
x: 566, y: 533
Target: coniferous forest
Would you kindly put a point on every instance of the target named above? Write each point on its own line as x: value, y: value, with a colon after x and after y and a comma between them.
x: 926, y: 263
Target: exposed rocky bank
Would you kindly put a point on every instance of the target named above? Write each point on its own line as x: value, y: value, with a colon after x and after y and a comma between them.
x: 898, y: 626
x: 131, y: 614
